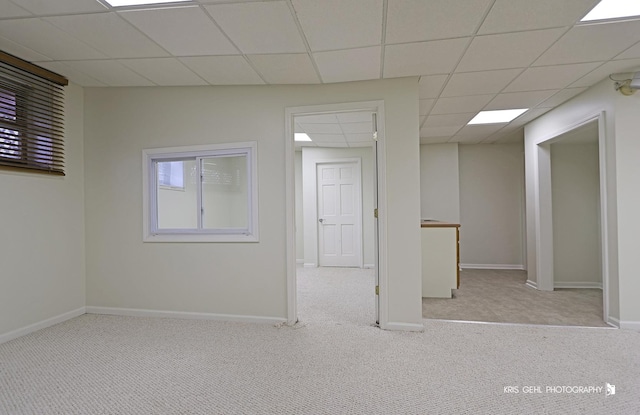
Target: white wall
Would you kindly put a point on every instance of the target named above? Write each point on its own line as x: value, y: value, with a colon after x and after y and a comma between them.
x: 601, y: 98
x: 313, y: 155
x: 42, y: 247
x: 439, y: 182
x: 575, y: 185
x: 491, y: 205
x: 230, y: 279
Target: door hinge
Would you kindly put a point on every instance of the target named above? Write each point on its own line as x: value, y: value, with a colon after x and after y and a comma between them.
x: 377, y: 290
x: 375, y: 213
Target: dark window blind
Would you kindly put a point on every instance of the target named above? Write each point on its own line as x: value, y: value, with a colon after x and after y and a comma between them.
x: 31, y: 121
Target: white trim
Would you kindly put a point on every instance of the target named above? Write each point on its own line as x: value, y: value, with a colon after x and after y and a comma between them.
x: 309, y: 264
x: 41, y: 325
x: 613, y: 322
x: 493, y: 266
x: 532, y: 284
x: 299, y: 261
x: 138, y: 312
x: 403, y: 326
x: 630, y: 325
x: 369, y: 266
x: 579, y: 284
x: 495, y: 323
x: 290, y: 112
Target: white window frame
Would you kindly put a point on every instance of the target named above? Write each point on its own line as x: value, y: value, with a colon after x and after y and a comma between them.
x: 150, y: 187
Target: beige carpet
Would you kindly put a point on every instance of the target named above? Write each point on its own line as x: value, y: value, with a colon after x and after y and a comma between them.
x: 330, y: 363
x: 502, y: 296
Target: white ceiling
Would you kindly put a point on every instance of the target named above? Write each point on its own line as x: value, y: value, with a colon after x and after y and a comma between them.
x: 469, y: 55
x: 346, y: 129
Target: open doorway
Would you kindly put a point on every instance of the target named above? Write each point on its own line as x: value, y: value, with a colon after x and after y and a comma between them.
x: 335, y: 156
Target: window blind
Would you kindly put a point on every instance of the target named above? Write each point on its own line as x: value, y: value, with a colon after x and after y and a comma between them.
x: 31, y: 117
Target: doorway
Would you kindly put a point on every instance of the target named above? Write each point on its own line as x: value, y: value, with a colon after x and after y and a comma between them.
x: 341, y: 161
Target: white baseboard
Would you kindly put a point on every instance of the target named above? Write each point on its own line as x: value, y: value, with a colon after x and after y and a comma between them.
x: 299, y: 261
x: 403, y: 326
x: 310, y: 265
x: 613, y: 322
x: 369, y: 266
x: 41, y: 325
x: 518, y: 267
x: 137, y: 312
x: 630, y: 325
x: 532, y: 284
x: 571, y: 284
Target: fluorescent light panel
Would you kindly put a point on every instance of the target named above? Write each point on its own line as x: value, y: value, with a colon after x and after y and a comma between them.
x: 121, y: 3
x: 496, y: 117
x: 613, y: 9
x: 301, y: 137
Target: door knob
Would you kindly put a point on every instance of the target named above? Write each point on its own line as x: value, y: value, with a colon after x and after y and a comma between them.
x: 320, y: 220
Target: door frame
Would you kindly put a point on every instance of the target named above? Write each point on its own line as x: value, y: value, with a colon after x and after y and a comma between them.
x: 360, y: 220
x: 381, y: 313
x: 544, y: 208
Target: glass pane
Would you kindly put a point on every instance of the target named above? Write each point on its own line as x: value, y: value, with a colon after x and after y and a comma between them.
x: 225, y: 192
x: 177, y: 195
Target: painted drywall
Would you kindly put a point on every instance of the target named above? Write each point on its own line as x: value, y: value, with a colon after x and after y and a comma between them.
x: 575, y: 184
x: 298, y: 208
x: 491, y: 205
x: 246, y: 279
x: 42, y: 239
x: 310, y: 157
x: 439, y: 182
x: 601, y: 98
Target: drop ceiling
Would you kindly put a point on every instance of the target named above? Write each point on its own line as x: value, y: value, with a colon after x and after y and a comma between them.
x: 469, y: 55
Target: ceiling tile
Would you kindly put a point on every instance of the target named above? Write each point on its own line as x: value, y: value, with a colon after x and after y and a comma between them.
x: 320, y: 128
x: 317, y: 119
x: 561, y: 97
x: 327, y: 138
x: 164, y: 71
x: 515, y: 100
x: 516, y: 136
x: 477, y: 83
x: 476, y: 133
x: 354, y: 144
x: 9, y: 10
x: 15, y: 49
x: 413, y: 59
x: 360, y: 138
x: 183, y: 31
x: 258, y: 28
x: 340, y: 144
x: 46, y: 39
x: 631, y: 53
x: 109, y: 72
x: 223, y: 70
x: 510, y: 50
x: 550, y: 77
x: 425, y: 105
x: 77, y: 77
x: 449, y: 120
x: 419, y: 20
x: 430, y: 86
x: 438, y: 131
x: 339, y: 24
x: 520, y: 15
x: 460, y: 105
x: 48, y: 7
x: 357, y: 127
x: 347, y: 117
x: 109, y: 34
x: 592, y: 43
x: 285, y: 69
x: 609, y: 68
x: 528, y: 116
x: 349, y: 65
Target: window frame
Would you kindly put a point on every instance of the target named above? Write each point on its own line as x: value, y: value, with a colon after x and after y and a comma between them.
x: 150, y: 157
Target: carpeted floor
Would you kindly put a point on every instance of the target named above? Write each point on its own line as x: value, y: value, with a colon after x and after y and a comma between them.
x: 502, y: 296
x: 327, y: 364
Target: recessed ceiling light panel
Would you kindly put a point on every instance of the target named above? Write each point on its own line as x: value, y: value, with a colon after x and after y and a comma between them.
x: 122, y: 3
x: 613, y: 9
x: 496, y: 117
x: 301, y: 137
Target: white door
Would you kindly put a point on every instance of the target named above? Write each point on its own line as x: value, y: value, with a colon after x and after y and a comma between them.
x: 339, y: 214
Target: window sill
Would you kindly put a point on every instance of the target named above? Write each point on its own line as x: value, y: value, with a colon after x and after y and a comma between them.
x: 201, y: 238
